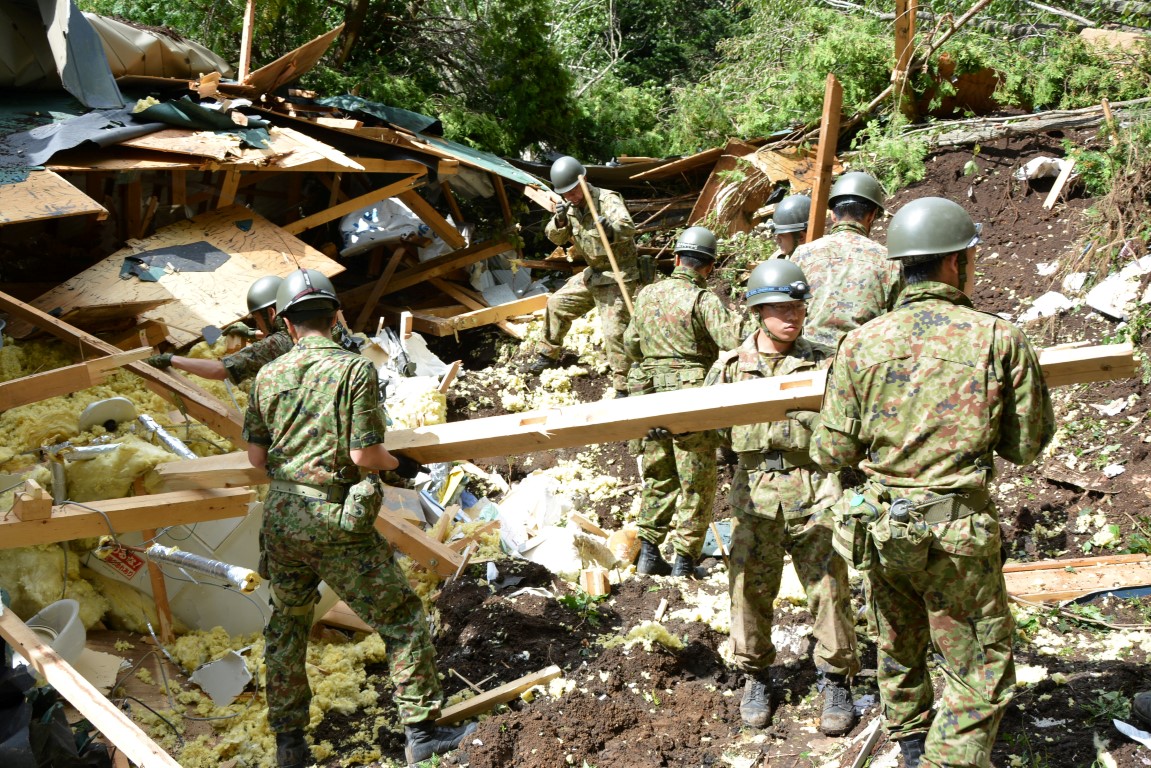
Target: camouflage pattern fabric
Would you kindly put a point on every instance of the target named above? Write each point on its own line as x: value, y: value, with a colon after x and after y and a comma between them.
x: 779, y: 512
x: 596, y: 286
x: 678, y: 330
x: 575, y: 299
x: 310, y: 408
x: 974, y: 384
x: 245, y: 363
x: 851, y: 279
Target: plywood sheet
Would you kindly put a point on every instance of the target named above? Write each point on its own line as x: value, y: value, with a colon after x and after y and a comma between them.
x: 256, y: 247
x: 216, y: 146
x: 44, y: 195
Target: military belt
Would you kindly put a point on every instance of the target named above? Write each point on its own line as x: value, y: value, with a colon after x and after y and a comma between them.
x: 333, y: 493
x: 950, y: 507
x: 774, y: 461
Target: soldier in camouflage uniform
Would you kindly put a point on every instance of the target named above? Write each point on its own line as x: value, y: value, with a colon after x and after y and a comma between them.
x: 922, y: 398
x: 678, y: 329
x: 789, y: 224
x: 851, y: 279
x: 781, y: 503
x: 596, y: 286
x: 243, y: 364
x: 315, y: 424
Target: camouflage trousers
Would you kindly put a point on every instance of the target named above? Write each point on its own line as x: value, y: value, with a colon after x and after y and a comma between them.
x: 958, y: 605
x: 758, y: 545
x: 575, y: 300
x: 361, y: 570
x: 678, y: 491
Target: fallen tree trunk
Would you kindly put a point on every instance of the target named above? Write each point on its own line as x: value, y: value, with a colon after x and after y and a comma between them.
x: 607, y: 421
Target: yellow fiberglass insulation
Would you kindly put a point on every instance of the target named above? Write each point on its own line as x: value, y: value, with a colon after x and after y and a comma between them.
x: 418, y: 410
x: 35, y: 578
x: 110, y: 475
x: 336, y: 672
x: 128, y: 608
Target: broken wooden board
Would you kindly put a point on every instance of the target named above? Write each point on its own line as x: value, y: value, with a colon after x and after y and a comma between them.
x: 292, y: 65
x: 251, y: 245
x: 710, y: 196
x: 182, y: 141
x: 410, y: 539
x: 44, y: 195
x: 179, y: 391
x: 795, y: 166
x: 1055, y: 581
x: 104, y: 716
x: 440, y: 322
x: 342, y: 616
x: 744, y: 402
x: 485, y: 701
x: 135, y: 513
x: 66, y: 380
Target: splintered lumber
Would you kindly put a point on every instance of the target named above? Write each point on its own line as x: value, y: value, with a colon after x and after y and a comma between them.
x: 342, y: 616
x: 228, y: 470
x: 182, y: 393
x: 44, y: 195
x: 355, y: 204
x: 825, y: 156
x: 104, y: 716
x: 744, y: 402
x: 485, y: 701
x: 134, y: 513
x: 1048, y: 581
x: 607, y: 421
x: 410, y: 539
x: 66, y: 380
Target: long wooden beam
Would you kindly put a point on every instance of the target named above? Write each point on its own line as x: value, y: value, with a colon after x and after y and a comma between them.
x: 116, y: 726
x: 134, y: 513
x: 180, y: 392
x: 413, y: 542
x: 433, y: 219
x: 1059, y: 580
x: 745, y: 402
x: 437, y: 267
x: 606, y: 421
x: 66, y: 380
x: 355, y: 204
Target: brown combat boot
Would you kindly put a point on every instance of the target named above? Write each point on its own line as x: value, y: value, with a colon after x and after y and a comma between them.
x: 838, y: 715
x: 754, y: 707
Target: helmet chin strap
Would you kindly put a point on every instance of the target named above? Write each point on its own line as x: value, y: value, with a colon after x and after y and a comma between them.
x: 772, y: 336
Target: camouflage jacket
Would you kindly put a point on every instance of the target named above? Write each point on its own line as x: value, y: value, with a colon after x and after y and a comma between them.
x: 310, y: 408
x: 922, y: 397
x: 798, y: 491
x: 851, y: 279
x: 586, y: 242
x: 678, y: 330
x: 245, y: 363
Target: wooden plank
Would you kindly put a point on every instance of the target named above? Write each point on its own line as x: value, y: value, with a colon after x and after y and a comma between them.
x: 295, y: 149
x: 339, y: 122
x: 178, y: 391
x: 905, y: 13
x: 229, y: 470
x: 682, y: 165
x: 66, y: 380
x: 342, y: 616
x: 31, y: 502
x: 453, y: 205
x: 291, y: 65
x: 437, y: 267
x: 745, y: 402
x: 379, y: 287
x: 486, y: 701
x: 1060, y: 182
x: 587, y: 525
x: 104, y: 716
x: 355, y: 204
x: 204, y: 144
x: 246, y: 40
x: 255, y: 247
x: 506, y: 209
x: 473, y: 301
x: 228, y: 188
x: 728, y: 161
x: 45, y: 195
x: 825, y: 156
x: 135, y: 513
x: 433, y: 219
x: 489, y: 315
x: 159, y: 593
x: 412, y: 541
x: 1059, y: 580
x: 133, y: 207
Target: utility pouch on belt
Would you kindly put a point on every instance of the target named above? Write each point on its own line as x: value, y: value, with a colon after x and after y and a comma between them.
x: 362, y: 505
x: 852, y: 517
x: 902, y: 538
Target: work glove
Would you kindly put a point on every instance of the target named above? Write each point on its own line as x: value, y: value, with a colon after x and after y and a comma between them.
x: 161, y: 361
x: 241, y: 329
x: 408, y: 467
x: 809, y: 419
x: 659, y: 433
x: 562, y: 214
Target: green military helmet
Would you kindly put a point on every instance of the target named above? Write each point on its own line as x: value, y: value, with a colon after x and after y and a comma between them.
x: 791, y: 214
x: 306, y: 290
x: 857, y: 184
x: 775, y: 281
x: 262, y: 293
x: 698, y: 242
x: 929, y: 227
x: 565, y: 174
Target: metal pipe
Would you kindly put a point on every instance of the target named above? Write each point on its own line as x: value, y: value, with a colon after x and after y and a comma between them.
x: 173, y: 443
